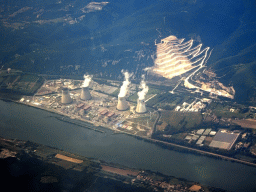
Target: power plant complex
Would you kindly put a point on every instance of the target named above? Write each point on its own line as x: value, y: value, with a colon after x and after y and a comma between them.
x: 97, y: 103
x: 122, y: 104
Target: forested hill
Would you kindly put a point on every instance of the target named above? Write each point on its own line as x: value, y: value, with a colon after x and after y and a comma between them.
x: 234, y: 60
x: 102, y: 38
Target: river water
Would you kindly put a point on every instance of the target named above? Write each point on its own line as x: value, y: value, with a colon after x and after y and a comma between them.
x: 28, y: 123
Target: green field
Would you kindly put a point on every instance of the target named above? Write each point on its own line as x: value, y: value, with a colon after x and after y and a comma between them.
x: 133, y: 97
x: 161, y: 100
x: 180, y: 120
x: 222, y: 110
x: 29, y: 78
x: 151, y: 92
x: 145, y: 120
x: 116, y: 92
x: 20, y: 83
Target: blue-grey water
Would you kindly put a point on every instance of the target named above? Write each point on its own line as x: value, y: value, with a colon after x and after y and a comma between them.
x: 28, y: 123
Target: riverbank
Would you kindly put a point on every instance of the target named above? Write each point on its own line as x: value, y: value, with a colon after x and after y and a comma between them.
x: 164, y: 144
x: 60, y: 162
x: 29, y: 123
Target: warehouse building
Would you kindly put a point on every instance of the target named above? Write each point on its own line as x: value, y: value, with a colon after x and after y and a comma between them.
x: 224, y: 139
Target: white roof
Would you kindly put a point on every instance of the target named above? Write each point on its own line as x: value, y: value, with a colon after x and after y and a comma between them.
x: 200, y: 131
x: 213, y: 133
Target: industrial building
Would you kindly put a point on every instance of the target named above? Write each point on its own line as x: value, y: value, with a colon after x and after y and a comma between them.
x: 111, y: 114
x: 200, y: 140
x: 224, y: 139
x: 104, y: 112
x: 200, y: 131
x: 80, y: 105
x: 87, y: 107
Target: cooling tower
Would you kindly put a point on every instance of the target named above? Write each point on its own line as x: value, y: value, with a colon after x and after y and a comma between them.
x: 122, y: 104
x: 85, y: 94
x: 141, y: 107
x: 65, y: 99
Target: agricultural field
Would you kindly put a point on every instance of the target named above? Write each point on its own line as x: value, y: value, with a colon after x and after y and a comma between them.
x: 116, y: 92
x: 223, y: 110
x: 169, y: 101
x: 151, y: 92
x: 179, y: 121
x: 20, y: 83
x: 145, y: 120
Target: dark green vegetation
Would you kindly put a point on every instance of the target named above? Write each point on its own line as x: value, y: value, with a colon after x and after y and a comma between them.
x: 179, y: 121
x: 34, y: 167
x: 223, y: 110
x: 234, y: 60
x: 15, y: 84
x: 30, y: 172
x: 169, y: 101
x: 70, y: 38
x: 151, y: 91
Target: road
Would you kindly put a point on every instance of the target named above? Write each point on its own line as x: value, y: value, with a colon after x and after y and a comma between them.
x: 204, y: 152
x: 157, y: 119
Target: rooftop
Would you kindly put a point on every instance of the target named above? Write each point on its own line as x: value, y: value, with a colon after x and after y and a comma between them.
x: 224, y: 139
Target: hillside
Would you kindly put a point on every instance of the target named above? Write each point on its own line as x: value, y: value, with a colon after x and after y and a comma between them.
x: 234, y: 60
x: 102, y: 38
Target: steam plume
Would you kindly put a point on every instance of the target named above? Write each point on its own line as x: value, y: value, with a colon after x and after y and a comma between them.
x: 126, y: 83
x: 144, y: 87
x: 87, y: 80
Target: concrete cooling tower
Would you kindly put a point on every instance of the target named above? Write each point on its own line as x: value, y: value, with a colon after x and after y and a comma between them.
x: 65, y: 99
x: 141, y: 107
x: 122, y: 104
x: 85, y: 94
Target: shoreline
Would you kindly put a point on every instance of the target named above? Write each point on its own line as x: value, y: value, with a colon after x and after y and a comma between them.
x: 157, y: 142
x: 53, y: 157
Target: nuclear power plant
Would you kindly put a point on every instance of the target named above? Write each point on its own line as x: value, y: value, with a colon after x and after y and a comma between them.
x: 141, y: 107
x: 85, y: 94
x: 98, y: 104
x: 122, y: 104
x: 65, y: 99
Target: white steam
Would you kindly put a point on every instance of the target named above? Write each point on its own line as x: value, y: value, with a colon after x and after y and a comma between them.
x: 87, y: 80
x: 144, y: 87
x: 126, y: 83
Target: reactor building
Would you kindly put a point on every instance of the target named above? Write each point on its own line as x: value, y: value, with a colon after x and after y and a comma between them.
x: 122, y: 104
x: 85, y: 94
x: 141, y: 106
x: 66, y: 99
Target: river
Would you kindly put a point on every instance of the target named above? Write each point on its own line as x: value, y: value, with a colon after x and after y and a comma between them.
x: 28, y: 123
